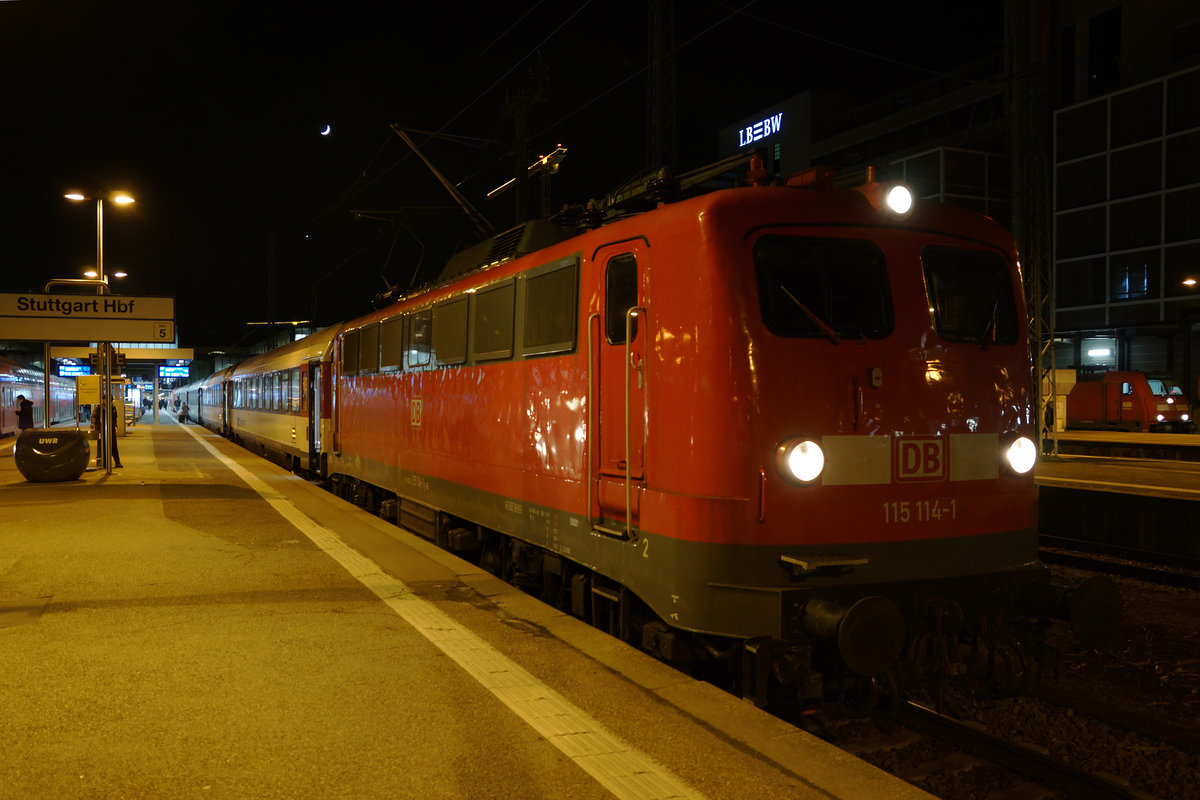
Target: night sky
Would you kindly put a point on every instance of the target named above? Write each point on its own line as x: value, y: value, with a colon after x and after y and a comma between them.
x: 210, y: 114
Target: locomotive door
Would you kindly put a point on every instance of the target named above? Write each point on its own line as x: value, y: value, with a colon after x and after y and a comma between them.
x: 622, y: 383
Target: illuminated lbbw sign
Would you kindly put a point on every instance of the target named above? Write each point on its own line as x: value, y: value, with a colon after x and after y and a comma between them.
x: 760, y: 130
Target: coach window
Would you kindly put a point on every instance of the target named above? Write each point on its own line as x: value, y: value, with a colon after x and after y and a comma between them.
x: 450, y: 332
x: 419, y: 334
x: 368, y: 350
x: 296, y: 390
x: 493, y: 323
x: 550, y: 311
x: 621, y: 294
x: 391, y: 344
x: 350, y: 353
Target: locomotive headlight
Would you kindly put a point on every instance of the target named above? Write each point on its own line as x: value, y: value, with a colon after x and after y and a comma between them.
x: 1161, y: 417
x: 899, y: 199
x: 1021, y: 455
x: 800, y: 460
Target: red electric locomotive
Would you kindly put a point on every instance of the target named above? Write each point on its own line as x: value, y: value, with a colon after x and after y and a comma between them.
x: 787, y: 426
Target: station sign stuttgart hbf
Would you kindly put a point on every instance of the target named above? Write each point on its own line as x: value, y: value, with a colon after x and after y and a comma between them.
x: 92, y: 318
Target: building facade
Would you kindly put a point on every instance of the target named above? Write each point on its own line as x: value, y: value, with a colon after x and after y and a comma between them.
x: 1113, y: 226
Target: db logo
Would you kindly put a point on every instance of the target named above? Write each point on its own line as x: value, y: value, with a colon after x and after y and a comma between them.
x: 920, y: 459
x: 414, y: 413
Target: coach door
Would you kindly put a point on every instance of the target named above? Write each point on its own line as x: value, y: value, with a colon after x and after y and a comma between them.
x: 622, y: 334
x: 312, y: 395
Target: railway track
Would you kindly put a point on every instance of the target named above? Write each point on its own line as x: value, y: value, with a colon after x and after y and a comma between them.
x: 1040, y: 769
x: 949, y: 757
x: 1164, y: 569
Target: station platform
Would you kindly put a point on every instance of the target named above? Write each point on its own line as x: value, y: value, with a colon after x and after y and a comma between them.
x: 1171, y: 480
x: 201, y: 623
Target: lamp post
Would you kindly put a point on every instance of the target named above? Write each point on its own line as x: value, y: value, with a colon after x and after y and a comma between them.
x: 106, y: 409
x: 121, y: 199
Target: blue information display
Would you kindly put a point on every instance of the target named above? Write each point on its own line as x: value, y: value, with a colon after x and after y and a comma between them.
x: 165, y: 371
x: 73, y: 370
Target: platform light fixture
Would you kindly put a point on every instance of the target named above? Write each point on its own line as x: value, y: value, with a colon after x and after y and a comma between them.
x: 121, y: 199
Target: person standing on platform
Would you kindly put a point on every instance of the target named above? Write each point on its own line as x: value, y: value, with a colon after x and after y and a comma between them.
x: 24, y: 411
x: 100, y: 420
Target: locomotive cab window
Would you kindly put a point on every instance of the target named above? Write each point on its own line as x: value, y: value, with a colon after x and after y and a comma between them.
x: 970, y: 292
x: 823, y: 288
x: 621, y: 294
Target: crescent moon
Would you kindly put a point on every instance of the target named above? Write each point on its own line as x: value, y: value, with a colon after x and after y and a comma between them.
x: 326, y: 131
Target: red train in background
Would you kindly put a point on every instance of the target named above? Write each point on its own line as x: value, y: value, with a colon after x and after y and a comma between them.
x: 1128, y: 401
x: 20, y: 379
x: 783, y: 427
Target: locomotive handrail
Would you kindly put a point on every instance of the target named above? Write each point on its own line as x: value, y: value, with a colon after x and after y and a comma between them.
x: 629, y: 365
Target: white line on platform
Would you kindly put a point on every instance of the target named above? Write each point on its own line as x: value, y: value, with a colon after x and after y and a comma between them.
x: 1124, y: 488
x: 626, y: 772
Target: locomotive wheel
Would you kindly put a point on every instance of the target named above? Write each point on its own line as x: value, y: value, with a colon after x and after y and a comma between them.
x: 1007, y: 668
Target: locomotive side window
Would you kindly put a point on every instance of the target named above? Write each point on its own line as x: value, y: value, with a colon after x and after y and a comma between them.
x: 621, y: 294
x: 420, y: 327
x: 391, y: 343
x: 823, y: 288
x: 350, y: 353
x: 550, y: 312
x: 450, y: 332
x: 493, y: 323
x: 368, y: 350
x: 970, y: 292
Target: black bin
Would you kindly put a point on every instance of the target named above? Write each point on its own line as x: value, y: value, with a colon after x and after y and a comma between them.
x: 44, y: 455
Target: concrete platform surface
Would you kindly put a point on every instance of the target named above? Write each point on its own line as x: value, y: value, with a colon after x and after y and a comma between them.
x: 202, y: 624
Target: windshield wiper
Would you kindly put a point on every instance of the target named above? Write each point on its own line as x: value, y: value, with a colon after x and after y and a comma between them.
x: 987, y: 331
x: 825, y: 327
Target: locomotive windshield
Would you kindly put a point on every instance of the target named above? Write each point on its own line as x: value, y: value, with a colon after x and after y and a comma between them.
x: 970, y: 295
x: 834, y: 288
